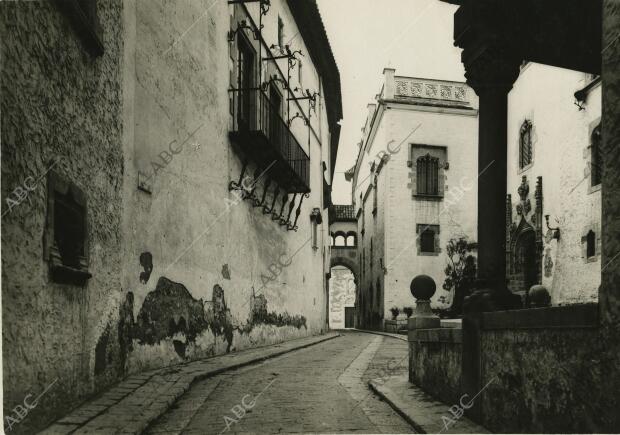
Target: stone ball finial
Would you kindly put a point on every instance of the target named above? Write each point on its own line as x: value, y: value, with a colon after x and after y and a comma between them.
x: 423, y: 287
x: 539, y: 296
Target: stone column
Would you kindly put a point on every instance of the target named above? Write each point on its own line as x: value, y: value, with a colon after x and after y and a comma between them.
x: 609, y: 292
x: 491, y: 72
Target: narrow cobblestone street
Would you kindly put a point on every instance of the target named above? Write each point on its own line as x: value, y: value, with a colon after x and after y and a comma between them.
x: 323, y: 388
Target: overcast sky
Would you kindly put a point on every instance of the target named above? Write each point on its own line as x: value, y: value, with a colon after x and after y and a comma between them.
x: 412, y: 36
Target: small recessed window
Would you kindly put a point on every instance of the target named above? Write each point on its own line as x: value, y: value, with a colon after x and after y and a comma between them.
x: 525, y: 144
x: 66, y: 248
x: 280, y: 33
x: 590, y: 244
x: 427, y: 241
x: 596, y: 172
x: 83, y: 16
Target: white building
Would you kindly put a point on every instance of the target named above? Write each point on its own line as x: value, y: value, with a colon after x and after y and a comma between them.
x: 414, y: 188
x: 554, y: 153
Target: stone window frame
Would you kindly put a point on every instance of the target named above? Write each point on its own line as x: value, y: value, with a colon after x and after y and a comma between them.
x: 84, y: 18
x: 440, y: 152
x: 595, y: 227
x: 59, y: 272
x: 592, y: 127
x: 526, y: 124
x: 436, y: 230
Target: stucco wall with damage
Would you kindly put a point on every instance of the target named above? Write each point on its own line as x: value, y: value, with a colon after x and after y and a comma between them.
x: 205, y: 272
x: 61, y: 113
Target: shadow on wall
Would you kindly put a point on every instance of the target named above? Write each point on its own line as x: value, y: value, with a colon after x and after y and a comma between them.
x: 171, y: 312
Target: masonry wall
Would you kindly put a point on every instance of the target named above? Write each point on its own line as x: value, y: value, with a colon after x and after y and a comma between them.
x: 61, y: 111
x: 435, y: 357
x: 543, y: 370
x: 455, y: 213
x: 561, y: 155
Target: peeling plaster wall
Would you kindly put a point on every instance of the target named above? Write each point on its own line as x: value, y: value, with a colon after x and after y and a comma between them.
x: 58, y: 103
x: 195, y: 231
x: 561, y: 154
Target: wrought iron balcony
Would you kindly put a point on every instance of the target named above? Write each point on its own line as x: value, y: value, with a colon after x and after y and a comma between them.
x: 258, y: 128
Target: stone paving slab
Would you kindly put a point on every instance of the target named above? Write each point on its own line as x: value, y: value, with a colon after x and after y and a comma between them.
x: 130, y: 406
x: 420, y: 409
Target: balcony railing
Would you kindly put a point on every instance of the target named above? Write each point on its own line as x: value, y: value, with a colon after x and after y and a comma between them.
x: 258, y: 128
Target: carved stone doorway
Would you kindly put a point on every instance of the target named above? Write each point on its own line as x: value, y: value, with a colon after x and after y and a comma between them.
x: 526, y: 264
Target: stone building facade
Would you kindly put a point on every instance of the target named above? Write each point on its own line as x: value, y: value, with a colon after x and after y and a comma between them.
x: 413, y: 188
x: 140, y: 226
x: 554, y: 169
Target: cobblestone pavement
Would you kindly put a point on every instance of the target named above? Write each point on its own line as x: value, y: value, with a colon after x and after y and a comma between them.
x: 321, y: 389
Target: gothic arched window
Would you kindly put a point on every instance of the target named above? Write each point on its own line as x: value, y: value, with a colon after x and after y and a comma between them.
x: 427, y: 168
x: 525, y: 144
x: 596, y: 162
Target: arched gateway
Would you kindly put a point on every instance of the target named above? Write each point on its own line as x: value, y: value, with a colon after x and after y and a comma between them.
x: 343, y: 255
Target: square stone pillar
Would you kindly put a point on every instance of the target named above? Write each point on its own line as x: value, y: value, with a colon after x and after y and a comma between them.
x: 388, y: 85
x: 609, y: 292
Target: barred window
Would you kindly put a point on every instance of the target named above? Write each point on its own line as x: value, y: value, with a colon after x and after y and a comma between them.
x: 525, y: 144
x: 427, y: 175
x: 596, y: 157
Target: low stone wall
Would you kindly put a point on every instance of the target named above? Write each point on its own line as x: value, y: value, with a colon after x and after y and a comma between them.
x: 435, y: 362
x: 543, y: 370
x: 548, y: 370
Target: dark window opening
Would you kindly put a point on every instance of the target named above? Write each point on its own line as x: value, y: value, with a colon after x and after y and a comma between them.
x: 280, y: 34
x: 525, y: 144
x: 66, y: 234
x: 590, y: 244
x: 245, y: 78
x: 69, y: 231
x: 427, y: 241
x: 596, y: 157
x: 84, y: 18
x: 427, y: 175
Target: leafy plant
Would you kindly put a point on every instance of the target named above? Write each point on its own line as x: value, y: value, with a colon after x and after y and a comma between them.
x: 460, y: 271
x: 395, y: 312
x: 408, y: 311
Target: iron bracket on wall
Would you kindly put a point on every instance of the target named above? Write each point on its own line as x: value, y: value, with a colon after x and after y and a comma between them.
x: 276, y: 192
x: 260, y: 203
x: 238, y: 185
x: 243, y: 24
x: 293, y: 226
x: 291, y: 206
x: 276, y: 216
